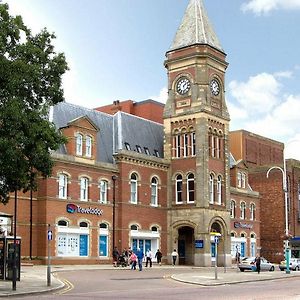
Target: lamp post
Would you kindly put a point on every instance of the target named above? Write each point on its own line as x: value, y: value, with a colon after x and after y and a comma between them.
x: 284, y: 184
x: 114, y: 178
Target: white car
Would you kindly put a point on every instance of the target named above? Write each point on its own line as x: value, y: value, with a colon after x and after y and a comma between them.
x: 248, y: 263
x: 294, y: 264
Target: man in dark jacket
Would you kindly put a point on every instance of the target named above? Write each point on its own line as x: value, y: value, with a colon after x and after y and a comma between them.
x: 257, y: 263
x: 140, y: 256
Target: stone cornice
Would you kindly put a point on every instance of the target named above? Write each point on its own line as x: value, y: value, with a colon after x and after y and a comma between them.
x: 141, y: 159
x: 70, y: 159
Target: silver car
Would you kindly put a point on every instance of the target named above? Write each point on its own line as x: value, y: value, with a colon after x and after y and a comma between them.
x: 248, y: 263
x: 294, y: 264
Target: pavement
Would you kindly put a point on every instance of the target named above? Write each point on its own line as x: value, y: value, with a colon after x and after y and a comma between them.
x: 34, y: 279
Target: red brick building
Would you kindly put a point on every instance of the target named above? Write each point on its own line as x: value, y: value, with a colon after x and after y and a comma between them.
x: 147, y: 175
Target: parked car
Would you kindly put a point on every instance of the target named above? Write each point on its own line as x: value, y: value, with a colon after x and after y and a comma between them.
x: 248, y: 263
x: 294, y: 264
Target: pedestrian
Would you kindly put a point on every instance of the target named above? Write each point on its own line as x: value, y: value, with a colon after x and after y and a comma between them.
x: 158, y: 256
x: 149, y: 258
x: 257, y: 263
x: 174, y: 257
x: 116, y: 255
x: 238, y: 257
x: 133, y: 259
x: 140, y: 256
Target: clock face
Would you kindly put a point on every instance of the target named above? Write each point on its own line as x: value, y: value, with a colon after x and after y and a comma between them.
x: 215, y: 87
x: 183, y: 85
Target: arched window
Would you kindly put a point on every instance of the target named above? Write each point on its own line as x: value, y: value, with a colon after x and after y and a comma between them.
x: 103, y: 191
x: 84, y: 187
x: 232, y: 209
x: 243, y: 235
x: 154, y: 191
x: 213, y: 152
x: 243, y: 210
x: 79, y: 144
x: 185, y: 145
x: 103, y: 226
x: 62, y: 186
x: 83, y: 224
x: 133, y: 188
x: 103, y: 239
x: 178, y: 189
x: 193, y: 139
x: 252, y: 211
x: 154, y: 228
x: 243, y: 180
x: 88, y: 146
x: 62, y: 223
x: 211, y: 188
x: 239, y: 179
x: 219, y: 190
x: 232, y: 234
x: 178, y: 145
x: 133, y: 227
x: 190, y: 188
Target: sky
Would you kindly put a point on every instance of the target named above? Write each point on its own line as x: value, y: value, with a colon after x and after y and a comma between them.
x: 116, y: 51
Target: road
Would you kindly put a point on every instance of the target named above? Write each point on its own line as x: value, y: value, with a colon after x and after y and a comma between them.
x: 157, y: 284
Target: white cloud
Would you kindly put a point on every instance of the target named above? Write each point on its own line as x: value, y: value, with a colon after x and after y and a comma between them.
x: 260, y: 7
x: 292, y: 147
x: 258, y: 105
x: 236, y: 112
x: 162, y: 97
x: 258, y: 95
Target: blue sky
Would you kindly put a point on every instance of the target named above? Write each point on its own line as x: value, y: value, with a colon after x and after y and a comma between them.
x: 116, y: 49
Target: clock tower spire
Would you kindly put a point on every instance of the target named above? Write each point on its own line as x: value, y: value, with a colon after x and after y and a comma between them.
x: 196, y: 122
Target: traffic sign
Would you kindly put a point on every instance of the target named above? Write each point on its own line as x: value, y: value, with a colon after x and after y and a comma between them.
x: 216, y: 239
x: 50, y: 235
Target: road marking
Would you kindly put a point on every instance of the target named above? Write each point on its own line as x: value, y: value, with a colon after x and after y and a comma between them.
x: 68, y: 287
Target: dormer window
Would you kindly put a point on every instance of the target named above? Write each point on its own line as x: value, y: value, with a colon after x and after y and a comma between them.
x: 147, y: 151
x: 79, y: 144
x: 156, y: 153
x: 138, y: 149
x: 127, y: 146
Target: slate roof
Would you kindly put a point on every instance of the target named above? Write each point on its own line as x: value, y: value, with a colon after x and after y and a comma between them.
x: 195, y: 28
x: 114, y: 130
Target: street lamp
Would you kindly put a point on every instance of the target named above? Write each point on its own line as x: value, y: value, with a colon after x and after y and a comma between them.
x: 284, y: 184
x: 114, y: 178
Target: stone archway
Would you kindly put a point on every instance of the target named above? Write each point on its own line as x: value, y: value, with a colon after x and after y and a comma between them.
x: 186, y: 242
x: 217, y: 228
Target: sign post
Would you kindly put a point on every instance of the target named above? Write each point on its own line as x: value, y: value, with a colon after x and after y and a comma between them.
x: 49, y: 236
x: 215, y: 236
x: 216, y: 240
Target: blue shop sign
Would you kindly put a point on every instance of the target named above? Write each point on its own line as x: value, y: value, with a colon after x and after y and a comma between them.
x: 199, y: 243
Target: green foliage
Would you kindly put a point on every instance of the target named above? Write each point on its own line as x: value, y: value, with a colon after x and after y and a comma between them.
x: 30, y: 83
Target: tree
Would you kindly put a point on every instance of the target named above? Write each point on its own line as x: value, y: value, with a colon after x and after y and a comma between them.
x: 30, y: 83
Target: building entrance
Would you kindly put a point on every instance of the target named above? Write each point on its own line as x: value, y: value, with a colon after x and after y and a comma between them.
x: 186, y: 245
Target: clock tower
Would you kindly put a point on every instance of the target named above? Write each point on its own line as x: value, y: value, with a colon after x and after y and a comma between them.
x: 196, y: 122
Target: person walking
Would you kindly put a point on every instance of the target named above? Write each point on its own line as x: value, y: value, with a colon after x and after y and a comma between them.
x: 238, y: 257
x: 116, y: 255
x: 174, y: 257
x: 158, y: 256
x: 149, y: 258
x: 133, y: 259
x: 140, y: 256
x: 257, y: 263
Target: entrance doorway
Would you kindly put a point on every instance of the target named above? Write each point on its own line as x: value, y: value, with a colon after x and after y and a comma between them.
x: 186, y: 245
x: 216, y: 228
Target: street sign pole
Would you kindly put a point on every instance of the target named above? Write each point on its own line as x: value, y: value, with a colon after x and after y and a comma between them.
x: 216, y: 263
x: 49, y: 236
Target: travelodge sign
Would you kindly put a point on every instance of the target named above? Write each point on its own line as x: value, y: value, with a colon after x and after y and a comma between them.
x: 73, y: 208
